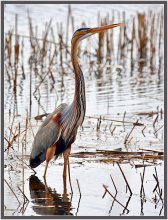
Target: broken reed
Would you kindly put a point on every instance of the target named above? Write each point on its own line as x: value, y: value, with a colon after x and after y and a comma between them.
x: 142, y: 195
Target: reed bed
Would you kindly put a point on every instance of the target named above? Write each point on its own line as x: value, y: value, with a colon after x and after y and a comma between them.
x: 139, y: 45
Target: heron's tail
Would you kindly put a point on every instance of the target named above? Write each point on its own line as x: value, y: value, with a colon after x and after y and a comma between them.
x: 35, y: 162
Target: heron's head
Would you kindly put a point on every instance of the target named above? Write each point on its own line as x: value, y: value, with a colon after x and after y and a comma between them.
x: 83, y: 33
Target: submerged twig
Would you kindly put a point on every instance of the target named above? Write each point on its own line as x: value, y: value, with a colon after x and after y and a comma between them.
x: 113, y: 183
x: 78, y: 187
x: 12, y: 191
x: 23, y: 194
x: 114, y: 197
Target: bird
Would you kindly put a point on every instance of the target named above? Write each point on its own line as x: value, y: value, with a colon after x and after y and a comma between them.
x: 58, y: 131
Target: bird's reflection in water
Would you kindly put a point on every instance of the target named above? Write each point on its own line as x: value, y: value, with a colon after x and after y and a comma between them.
x: 46, y: 200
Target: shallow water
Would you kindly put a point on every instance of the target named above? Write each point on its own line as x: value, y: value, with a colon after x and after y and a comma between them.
x: 109, y: 94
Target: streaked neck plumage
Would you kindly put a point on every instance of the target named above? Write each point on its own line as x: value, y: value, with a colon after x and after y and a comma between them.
x: 74, y: 115
x: 79, y: 101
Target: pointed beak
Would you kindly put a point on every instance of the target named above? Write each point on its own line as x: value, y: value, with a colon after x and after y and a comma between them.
x: 103, y: 28
x: 90, y: 31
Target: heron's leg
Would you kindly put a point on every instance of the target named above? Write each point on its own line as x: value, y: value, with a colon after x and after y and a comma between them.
x: 66, y: 154
x: 49, y: 155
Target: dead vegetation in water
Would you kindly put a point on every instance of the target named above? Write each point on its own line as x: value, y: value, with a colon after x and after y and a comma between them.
x: 142, y: 194
x: 107, y: 156
x: 142, y: 158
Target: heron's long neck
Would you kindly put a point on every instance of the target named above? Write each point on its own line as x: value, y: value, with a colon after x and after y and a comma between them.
x: 79, y: 96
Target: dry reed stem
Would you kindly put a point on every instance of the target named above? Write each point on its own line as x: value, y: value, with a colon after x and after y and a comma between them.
x: 155, y: 120
x: 155, y: 188
x: 128, y: 135
x: 112, y: 132
x: 22, y: 59
x: 161, y: 113
x: 44, y: 50
x: 67, y: 26
x: 117, y: 156
x: 150, y: 113
x: 125, y: 178
x: 98, y: 123
x: 155, y: 151
x: 110, y: 126
x: 8, y: 46
x: 16, y: 54
x: 142, y: 35
x: 143, y: 130
x: 132, y: 43
x: 124, y: 116
x: 7, y: 141
x: 11, y: 126
x: 104, y: 194
x: 10, y: 142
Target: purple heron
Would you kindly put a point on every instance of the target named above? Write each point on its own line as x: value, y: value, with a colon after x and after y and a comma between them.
x: 59, y: 129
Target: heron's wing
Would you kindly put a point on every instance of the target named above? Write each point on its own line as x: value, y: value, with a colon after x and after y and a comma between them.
x: 60, y: 108
x: 48, y: 134
x: 45, y: 137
